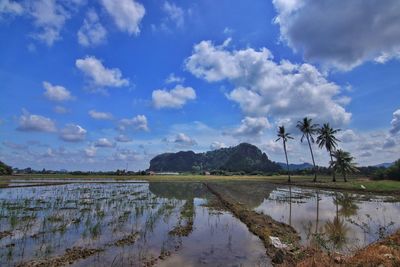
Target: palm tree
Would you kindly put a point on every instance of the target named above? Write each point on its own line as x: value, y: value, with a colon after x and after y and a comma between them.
x: 282, y: 134
x: 327, y: 139
x: 308, y: 129
x: 343, y: 163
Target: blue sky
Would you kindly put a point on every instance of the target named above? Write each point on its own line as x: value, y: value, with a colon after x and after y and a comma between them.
x: 108, y: 84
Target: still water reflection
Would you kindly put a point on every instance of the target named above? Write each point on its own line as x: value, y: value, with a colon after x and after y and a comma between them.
x: 348, y: 221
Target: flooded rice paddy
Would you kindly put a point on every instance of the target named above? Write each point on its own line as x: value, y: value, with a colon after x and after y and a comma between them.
x: 129, y: 224
x: 93, y: 223
x: 351, y: 221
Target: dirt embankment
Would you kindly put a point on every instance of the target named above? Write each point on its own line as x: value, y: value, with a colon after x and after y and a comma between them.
x: 127, y: 240
x: 385, y: 253
x: 76, y: 253
x: 68, y: 257
x: 5, y: 234
x: 185, y: 223
x: 263, y: 226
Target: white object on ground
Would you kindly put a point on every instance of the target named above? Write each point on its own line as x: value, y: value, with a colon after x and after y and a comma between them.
x: 277, y: 243
x: 363, y: 187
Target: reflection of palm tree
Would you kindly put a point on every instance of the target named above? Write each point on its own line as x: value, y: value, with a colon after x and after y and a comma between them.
x: 348, y: 207
x: 337, y: 231
x: 282, y: 134
x: 317, y: 220
x: 337, y: 228
x: 327, y: 139
x: 308, y: 129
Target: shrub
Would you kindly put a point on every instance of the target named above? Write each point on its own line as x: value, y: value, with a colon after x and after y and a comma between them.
x: 391, y: 173
x: 5, y: 169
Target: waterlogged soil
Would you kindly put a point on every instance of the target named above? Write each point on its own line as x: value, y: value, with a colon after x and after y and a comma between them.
x: 339, y: 221
x: 342, y: 222
x: 121, y: 224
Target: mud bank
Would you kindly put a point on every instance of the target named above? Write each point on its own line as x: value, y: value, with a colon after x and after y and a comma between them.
x: 185, y: 223
x: 267, y: 229
x: 71, y: 255
x: 385, y: 252
x: 5, y: 234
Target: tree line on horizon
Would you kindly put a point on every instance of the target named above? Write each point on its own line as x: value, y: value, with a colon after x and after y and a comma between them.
x: 340, y: 161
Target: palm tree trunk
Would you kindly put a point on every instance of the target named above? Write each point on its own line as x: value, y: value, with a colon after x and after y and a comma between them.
x: 312, y: 157
x: 317, y: 221
x: 344, y: 176
x: 333, y: 170
x: 287, y: 161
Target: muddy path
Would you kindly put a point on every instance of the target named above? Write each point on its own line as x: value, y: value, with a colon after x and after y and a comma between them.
x: 70, y: 256
x: 280, y: 240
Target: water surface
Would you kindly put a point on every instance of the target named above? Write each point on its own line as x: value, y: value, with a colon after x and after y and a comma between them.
x: 44, y: 221
x: 349, y: 220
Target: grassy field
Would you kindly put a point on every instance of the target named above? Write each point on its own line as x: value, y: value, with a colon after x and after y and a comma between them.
x: 324, y: 182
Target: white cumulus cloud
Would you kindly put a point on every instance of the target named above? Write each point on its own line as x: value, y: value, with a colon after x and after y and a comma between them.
x: 90, y: 151
x: 172, y: 78
x: 91, y: 33
x: 217, y: 145
x: 123, y: 138
x: 104, y: 142
x: 252, y: 126
x: 99, y: 75
x: 35, y: 123
x: 56, y: 92
x: 175, y: 13
x: 127, y: 14
x: 395, y: 122
x: 263, y: 87
x: 341, y: 34
x: 49, y: 16
x: 138, y: 122
x: 347, y: 136
x: 98, y: 115
x: 174, y: 98
x: 73, y: 133
x: 184, y: 140
x: 11, y: 7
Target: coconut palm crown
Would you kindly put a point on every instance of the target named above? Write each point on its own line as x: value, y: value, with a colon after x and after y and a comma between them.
x: 309, y: 130
x: 343, y: 163
x: 326, y: 138
x: 284, y: 136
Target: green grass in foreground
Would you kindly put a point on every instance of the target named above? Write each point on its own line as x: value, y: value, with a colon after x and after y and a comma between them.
x: 354, y: 183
